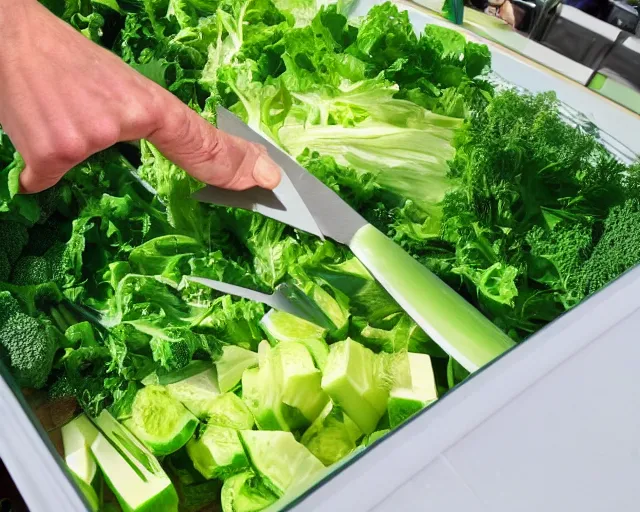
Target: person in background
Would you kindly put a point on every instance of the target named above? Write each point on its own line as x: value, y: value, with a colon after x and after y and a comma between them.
x: 64, y: 98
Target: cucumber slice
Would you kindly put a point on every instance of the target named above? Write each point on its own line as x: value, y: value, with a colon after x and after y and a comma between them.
x: 245, y: 492
x: 130, y: 470
x: 228, y: 410
x: 332, y: 436
x: 162, y: 423
x: 281, y: 327
x: 231, y: 365
x: 280, y: 460
x: 356, y: 379
x: 197, y: 392
x: 218, y: 453
x: 408, y: 398
x: 337, y: 314
x: 77, y: 437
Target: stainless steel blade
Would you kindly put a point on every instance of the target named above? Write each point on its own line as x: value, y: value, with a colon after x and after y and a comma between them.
x: 335, y: 218
x: 283, y: 204
x: 281, y: 299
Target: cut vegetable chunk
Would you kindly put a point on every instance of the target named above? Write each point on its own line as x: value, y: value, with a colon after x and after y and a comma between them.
x: 131, y: 471
x: 217, y: 453
x: 245, y: 492
x: 356, y: 379
x: 406, y: 399
x: 77, y: 437
x: 332, y: 435
x: 232, y: 364
x: 285, y: 392
x: 228, y: 410
x: 281, y: 327
x: 197, y: 392
x: 162, y: 423
x: 280, y: 460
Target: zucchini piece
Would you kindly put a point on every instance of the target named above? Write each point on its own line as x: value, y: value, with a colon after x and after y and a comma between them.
x: 77, y: 437
x: 357, y: 379
x: 130, y: 470
x: 245, y: 492
x: 197, y: 392
x: 281, y: 327
x: 408, y: 398
x: 228, y: 410
x: 162, y: 423
x: 332, y: 436
x: 232, y: 364
x: 217, y: 453
x: 280, y: 460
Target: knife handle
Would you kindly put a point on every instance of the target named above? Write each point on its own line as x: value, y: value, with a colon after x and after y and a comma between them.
x: 454, y: 324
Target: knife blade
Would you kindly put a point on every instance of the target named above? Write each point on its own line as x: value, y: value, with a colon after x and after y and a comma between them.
x: 286, y: 297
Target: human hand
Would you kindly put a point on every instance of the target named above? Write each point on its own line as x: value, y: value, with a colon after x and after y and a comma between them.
x: 64, y: 98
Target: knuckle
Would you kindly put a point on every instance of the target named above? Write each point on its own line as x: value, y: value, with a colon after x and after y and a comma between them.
x: 69, y: 148
x: 105, y: 136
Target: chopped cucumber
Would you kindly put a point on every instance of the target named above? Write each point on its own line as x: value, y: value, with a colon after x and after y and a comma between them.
x: 196, y: 392
x: 356, y: 379
x: 228, y: 410
x: 281, y: 327
x: 231, y: 365
x: 409, y: 396
x: 301, y: 381
x: 280, y: 460
x: 285, y: 392
x: 77, y: 437
x: 217, y: 453
x: 332, y: 436
x: 245, y: 492
x: 130, y: 470
x: 162, y: 423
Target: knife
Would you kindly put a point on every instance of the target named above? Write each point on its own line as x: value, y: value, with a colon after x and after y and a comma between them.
x: 286, y: 297
x: 304, y: 202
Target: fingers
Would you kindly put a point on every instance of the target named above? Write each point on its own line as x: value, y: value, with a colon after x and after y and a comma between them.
x: 209, y: 154
x: 32, y: 181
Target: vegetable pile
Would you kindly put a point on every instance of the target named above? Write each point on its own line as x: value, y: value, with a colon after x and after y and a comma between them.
x: 191, y: 398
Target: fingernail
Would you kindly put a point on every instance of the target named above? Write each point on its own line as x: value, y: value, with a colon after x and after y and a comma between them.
x: 266, y: 172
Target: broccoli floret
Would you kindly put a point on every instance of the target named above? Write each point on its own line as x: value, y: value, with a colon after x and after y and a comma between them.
x: 44, y: 236
x: 31, y: 270
x: 9, y: 306
x: 617, y: 250
x: 62, y: 388
x: 30, y: 346
x: 58, y: 263
x: 5, y: 266
x: 14, y: 238
x: 174, y: 347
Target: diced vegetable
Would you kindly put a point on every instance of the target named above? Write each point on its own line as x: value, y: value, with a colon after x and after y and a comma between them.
x: 282, y: 327
x: 285, y: 392
x: 131, y: 471
x: 217, y: 452
x: 232, y: 364
x: 197, y: 392
x: 357, y: 379
x: 245, y: 492
x: 332, y: 436
x: 228, y: 410
x: 162, y: 423
x: 77, y: 437
x: 280, y: 460
x: 409, y: 395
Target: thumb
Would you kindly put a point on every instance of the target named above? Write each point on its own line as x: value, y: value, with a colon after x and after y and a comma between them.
x: 209, y: 154
x: 33, y: 181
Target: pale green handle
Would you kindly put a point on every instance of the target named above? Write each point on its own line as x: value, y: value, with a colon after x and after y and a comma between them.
x: 454, y: 324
